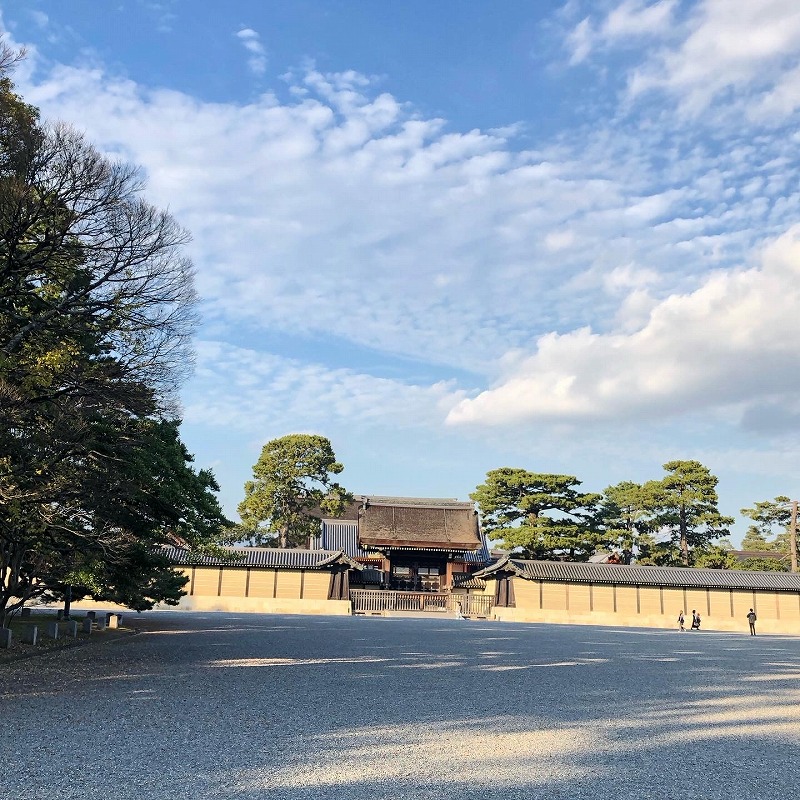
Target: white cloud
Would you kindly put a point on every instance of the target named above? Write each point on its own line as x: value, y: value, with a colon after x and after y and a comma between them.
x: 244, y: 389
x: 630, y: 276
x: 731, y: 342
x: 251, y: 41
x: 630, y: 21
x: 580, y: 41
x: 638, y: 18
x: 780, y: 100
x: 728, y: 47
x: 558, y: 240
x: 163, y: 12
x: 40, y: 18
x: 344, y: 213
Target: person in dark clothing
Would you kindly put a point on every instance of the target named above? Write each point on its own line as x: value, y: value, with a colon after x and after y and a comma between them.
x: 751, y: 618
x: 695, y: 621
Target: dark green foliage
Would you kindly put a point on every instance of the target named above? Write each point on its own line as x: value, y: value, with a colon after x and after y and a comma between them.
x: 763, y: 564
x: 143, y: 578
x: 293, y: 482
x: 684, y: 508
x: 715, y: 557
x: 770, y: 531
x: 755, y: 540
x: 625, y: 515
x: 96, y: 313
x: 544, y: 515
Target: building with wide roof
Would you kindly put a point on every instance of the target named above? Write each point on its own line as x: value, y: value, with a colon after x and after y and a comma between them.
x: 417, y: 543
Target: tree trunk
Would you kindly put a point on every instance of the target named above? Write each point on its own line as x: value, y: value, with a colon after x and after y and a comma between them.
x: 684, y: 540
x: 67, y: 601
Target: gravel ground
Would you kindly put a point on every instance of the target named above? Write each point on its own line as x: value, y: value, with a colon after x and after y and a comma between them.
x: 249, y: 706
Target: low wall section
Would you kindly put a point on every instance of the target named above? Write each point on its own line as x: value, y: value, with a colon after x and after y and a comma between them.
x: 259, y: 590
x: 649, y: 606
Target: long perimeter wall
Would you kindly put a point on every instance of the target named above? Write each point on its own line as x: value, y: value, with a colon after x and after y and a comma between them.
x: 649, y: 606
x: 267, y: 591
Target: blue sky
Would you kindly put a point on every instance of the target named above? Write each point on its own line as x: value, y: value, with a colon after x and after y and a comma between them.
x: 457, y: 236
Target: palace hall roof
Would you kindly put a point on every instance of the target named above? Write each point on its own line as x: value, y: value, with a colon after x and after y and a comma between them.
x: 421, y: 524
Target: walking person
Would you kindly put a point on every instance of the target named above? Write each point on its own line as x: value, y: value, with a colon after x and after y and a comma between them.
x: 681, y: 620
x: 695, y: 621
x: 751, y: 619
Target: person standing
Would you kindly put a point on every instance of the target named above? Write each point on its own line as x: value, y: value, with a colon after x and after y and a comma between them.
x: 751, y: 619
x: 681, y: 620
x: 695, y: 621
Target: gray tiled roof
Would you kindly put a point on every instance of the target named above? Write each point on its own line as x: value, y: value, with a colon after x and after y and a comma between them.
x: 646, y: 576
x: 478, y: 556
x: 269, y: 557
x: 338, y: 534
x: 468, y: 582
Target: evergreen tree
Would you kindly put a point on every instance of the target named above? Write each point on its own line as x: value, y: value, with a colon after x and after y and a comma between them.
x: 625, y: 515
x: 770, y: 530
x: 293, y: 482
x: 543, y: 514
x: 685, y: 507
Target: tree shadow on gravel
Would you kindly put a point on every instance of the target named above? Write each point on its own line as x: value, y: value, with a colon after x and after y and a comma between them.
x: 400, y: 709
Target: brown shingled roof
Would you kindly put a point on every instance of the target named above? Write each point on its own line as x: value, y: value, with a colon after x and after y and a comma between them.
x: 448, y: 525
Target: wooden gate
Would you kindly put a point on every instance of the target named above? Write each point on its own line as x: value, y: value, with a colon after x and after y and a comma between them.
x: 376, y: 601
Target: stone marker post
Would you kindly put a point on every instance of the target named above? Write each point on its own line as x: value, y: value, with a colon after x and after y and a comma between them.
x: 72, y: 629
x: 91, y: 614
x: 52, y: 630
x: 5, y: 638
x: 101, y: 623
x: 87, y: 625
x: 26, y: 612
x: 113, y: 621
x: 31, y: 636
x: 60, y: 614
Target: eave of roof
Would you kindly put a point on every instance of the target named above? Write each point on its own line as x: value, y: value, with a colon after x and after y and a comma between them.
x: 470, y: 582
x: 418, y: 502
x: 634, y: 575
x: 267, y: 557
x: 409, y: 544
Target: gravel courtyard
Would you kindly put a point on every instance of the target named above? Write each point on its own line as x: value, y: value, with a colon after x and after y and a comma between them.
x: 251, y: 706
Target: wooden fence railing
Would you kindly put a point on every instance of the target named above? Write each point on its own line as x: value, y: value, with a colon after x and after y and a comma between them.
x: 373, y: 601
